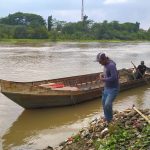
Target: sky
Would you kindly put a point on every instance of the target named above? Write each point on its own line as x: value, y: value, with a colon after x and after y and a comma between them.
x: 70, y: 10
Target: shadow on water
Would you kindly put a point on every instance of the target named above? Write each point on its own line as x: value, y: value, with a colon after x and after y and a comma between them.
x: 32, y: 122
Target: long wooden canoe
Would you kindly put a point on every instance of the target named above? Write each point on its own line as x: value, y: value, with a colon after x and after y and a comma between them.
x: 63, y: 91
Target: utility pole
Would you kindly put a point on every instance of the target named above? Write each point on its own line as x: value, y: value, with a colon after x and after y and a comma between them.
x: 82, y: 10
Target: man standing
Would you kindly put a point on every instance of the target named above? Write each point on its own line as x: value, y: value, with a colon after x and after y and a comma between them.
x: 111, y: 87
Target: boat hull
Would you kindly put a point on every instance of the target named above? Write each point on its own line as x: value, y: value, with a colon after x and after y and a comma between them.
x: 43, y: 101
x: 29, y: 95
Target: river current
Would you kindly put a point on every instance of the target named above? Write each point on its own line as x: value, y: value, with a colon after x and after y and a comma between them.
x: 36, y: 129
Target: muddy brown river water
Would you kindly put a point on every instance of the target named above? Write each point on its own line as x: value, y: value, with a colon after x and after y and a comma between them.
x: 36, y: 129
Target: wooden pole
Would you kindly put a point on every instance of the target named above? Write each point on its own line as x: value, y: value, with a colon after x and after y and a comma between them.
x: 145, y: 117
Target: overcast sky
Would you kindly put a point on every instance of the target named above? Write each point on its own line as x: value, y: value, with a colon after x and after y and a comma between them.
x: 70, y: 10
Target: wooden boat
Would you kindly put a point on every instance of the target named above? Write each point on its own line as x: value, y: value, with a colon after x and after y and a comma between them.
x: 63, y: 91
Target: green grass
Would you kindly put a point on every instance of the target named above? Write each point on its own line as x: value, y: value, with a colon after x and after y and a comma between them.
x: 17, y: 41
x: 43, y: 41
x: 122, y: 138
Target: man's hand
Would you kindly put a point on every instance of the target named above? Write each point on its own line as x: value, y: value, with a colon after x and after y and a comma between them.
x: 101, y: 77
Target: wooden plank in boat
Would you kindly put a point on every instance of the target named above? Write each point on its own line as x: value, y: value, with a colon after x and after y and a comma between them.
x: 67, y: 88
x: 55, y: 86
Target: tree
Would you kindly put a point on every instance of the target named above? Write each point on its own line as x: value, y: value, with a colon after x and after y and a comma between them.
x: 50, y: 23
x: 21, y: 32
x: 39, y: 33
x: 25, y: 25
x: 69, y: 28
x: 58, y: 25
x: 137, y: 26
x: 130, y: 27
x: 20, y: 18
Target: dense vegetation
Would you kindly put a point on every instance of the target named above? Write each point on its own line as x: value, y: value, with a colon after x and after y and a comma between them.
x: 31, y: 26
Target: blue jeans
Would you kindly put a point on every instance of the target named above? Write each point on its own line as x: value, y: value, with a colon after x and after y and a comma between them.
x: 108, y: 96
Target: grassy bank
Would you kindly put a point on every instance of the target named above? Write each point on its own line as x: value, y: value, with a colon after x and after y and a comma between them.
x: 23, y: 41
x: 45, y: 41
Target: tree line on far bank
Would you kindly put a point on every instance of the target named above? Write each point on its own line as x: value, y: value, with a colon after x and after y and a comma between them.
x: 31, y: 26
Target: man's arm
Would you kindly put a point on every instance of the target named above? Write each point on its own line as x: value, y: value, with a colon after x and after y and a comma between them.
x: 147, y: 69
x: 113, y: 74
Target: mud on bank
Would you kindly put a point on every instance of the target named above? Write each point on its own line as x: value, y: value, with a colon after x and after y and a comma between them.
x: 128, y: 131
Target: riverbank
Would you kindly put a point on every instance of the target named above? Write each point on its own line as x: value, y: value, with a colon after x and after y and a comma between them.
x: 128, y: 131
x: 48, y: 41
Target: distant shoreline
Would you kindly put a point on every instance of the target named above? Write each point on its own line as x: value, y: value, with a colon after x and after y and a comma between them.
x: 48, y: 41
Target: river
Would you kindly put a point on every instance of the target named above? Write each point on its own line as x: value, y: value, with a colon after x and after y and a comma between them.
x: 36, y: 129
